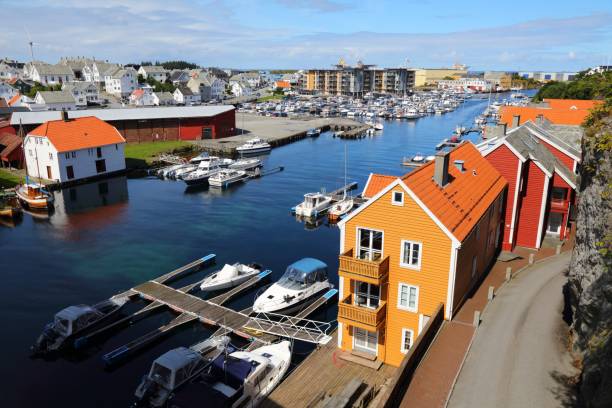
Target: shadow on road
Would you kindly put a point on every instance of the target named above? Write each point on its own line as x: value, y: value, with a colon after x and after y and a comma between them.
x: 565, y: 390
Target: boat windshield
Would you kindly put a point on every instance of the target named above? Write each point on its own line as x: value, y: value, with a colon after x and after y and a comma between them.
x: 161, y: 374
x: 295, y: 278
x: 62, y: 326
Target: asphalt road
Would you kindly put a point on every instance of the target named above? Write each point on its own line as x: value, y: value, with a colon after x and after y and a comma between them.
x: 518, y: 358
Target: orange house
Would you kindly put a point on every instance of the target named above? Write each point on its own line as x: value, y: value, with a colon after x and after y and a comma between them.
x: 420, y: 240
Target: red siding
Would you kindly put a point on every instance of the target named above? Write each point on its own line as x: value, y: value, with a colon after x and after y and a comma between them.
x: 530, y: 199
x: 507, y: 164
x: 221, y: 126
x: 564, y: 158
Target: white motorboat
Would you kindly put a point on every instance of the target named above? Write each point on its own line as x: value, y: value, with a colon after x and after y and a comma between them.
x: 302, y: 282
x: 241, y: 378
x: 379, y: 126
x: 229, y: 276
x: 313, y: 205
x: 183, y: 170
x: 254, y: 146
x: 226, y: 177
x: 245, y: 164
x: 176, y: 367
x: 340, y: 208
x: 201, y: 175
x: 418, y: 158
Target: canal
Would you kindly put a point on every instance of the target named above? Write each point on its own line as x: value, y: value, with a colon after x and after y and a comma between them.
x: 106, y: 237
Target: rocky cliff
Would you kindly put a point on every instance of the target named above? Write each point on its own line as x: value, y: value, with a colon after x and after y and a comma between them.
x: 590, y: 276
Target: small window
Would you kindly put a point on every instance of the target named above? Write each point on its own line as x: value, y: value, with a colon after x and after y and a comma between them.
x: 398, y: 198
x: 407, y: 339
x: 67, y: 155
x: 73, y: 155
x: 50, y: 156
x: 408, y: 297
x: 411, y: 254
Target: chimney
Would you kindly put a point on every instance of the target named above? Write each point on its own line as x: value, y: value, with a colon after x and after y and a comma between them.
x: 516, y: 121
x: 460, y: 165
x: 64, y: 116
x: 441, y: 168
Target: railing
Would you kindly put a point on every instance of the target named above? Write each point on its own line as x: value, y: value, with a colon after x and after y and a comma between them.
x: 360, y: 314
x: 311, y: 331
x: 559, y: 204
x: 361, y: 267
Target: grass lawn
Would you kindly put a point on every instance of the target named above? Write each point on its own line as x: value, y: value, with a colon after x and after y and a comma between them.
x: 270, y: 98
x: 9, y: 178
x: 141, y: 154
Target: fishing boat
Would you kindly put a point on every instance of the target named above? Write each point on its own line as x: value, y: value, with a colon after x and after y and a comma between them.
x: 301, y: 283
x: 254, y: 146
x: 34, y: 196
x: 230, y: 276
x: 240, y: 378
x: 313, y: 205
x: 245, y: 164
x: 175, y: 368
x: 72, y: 321
x: 226, y: 177
x: 201, y: 175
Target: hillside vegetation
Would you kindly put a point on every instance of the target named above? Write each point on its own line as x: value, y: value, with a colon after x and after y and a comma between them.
x: 596, y: 86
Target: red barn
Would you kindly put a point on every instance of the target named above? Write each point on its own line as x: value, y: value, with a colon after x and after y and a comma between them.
x: 540, y: 164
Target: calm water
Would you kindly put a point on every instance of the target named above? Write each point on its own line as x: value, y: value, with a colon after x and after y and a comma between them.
x: 106, y: 237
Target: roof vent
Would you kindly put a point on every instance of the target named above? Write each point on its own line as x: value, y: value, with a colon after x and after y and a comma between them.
x: 460, y: 165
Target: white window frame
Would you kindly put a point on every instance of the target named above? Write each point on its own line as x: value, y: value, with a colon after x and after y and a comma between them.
x: 361, y: 348
x: 358, y: 242
x: 402, y: 249
x: 403, y: 349
x: 399, y: 298
x: 394, y: 202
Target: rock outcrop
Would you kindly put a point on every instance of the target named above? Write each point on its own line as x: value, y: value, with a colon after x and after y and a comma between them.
x: 590, y: 275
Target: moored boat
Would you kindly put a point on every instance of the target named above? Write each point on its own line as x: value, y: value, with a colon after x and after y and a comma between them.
x: 226, y: 177
x: 205, y: 170
x: 313, y: 205
x: 254, y: 146
x: 230, y: 276
x: 245, y: 164
x: 34, y: 196
x: 340, y: 209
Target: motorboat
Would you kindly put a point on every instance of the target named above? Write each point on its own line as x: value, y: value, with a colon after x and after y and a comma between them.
x: 313, y: 205
x: 34, y: 196
x: 378, y: 126
x: 245, y: 164
x: 418, y: 158
x: 176, y: 367
x: 226, y: 177
x: 184, y: 170
x: 340, y: 208
x: 72, y: 321
x: 240, y: 378
x: 313, y: 132
x: 201, y: 175
x: 254, y: 146
x: 230, y: 276
x: 301, y: 283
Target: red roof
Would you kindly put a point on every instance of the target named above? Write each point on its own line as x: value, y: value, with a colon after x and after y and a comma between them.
x: 572, y: 103
x: 137, y: 93
x: 14, y: 99
x: 79, y: 133
x: 282, y: 84
x: 376, y: 183
x: 556, y: 116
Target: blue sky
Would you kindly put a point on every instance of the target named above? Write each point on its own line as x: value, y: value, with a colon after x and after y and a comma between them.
x: 517, y: 35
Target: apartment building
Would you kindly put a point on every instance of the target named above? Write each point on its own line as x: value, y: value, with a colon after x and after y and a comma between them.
x: 422, y: 239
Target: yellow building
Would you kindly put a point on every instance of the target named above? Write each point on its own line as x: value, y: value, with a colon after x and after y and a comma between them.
x: 503, y: 80
x: 420, y: 240
x: 431, y: 76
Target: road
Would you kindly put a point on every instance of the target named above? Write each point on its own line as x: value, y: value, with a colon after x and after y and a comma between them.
x: 518, y: 357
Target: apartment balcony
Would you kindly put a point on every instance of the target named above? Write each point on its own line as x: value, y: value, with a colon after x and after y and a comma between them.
x: 362, y: 269
x: 361, y: 316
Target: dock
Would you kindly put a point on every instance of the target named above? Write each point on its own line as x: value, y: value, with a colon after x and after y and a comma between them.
x: 447, y: 143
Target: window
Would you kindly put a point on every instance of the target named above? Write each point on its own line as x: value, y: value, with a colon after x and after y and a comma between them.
x: 367, y: 294
x: 70, y: 172
x: 407, y: 338
x: 411, y: 254
x: 559, y: 194
x: 67, y: 155
x: 370, y: 244
x: 116, y: 147
x: 408, y: 297
x: 50, y: 156
x: 100, y: 166
x: 73, y: 155
x: 99, y: 151
x: 364, y: 340
x: 90, y: 152
x: 398, y: 198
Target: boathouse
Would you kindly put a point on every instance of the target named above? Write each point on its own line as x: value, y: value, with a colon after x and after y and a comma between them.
x: 421, y: 240
x: 70, y: 150
x: 149, y: 124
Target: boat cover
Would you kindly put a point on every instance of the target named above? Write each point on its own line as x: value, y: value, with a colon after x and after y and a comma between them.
x: 305, y: 271
x: 178, y: 358
x: 233, y: 371
x: 227, y: 272
x: 71, y: 313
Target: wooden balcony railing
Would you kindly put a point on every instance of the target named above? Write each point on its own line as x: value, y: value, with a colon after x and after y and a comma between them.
x: 373, y: 318
x: 361, y: 267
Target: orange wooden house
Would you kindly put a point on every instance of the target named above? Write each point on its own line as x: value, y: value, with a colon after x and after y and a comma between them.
x: 420, y: 240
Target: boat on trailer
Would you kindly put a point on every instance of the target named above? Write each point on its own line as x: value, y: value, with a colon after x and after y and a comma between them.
x: 230, y: 276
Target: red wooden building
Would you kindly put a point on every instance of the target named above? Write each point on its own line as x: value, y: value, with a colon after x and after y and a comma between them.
x: 540, y: 163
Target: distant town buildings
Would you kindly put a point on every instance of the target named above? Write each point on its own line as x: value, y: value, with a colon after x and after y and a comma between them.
x: 156, y: 72
x: 431, y: 76
x: 543, y: 76
x: 466, y: 84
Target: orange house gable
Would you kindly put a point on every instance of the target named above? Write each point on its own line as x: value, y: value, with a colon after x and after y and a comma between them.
x: 420, y: 240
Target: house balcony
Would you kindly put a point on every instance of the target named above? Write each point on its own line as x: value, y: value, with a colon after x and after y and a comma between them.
x: 362, y: 269
x: 559, y: 205
x: 361, y: 316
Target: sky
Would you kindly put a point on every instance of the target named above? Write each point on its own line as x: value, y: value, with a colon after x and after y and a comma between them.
x: 560, y: 35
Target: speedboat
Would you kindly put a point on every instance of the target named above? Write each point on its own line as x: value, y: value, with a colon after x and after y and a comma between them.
x: 379, y: 126
x: 254, y: 146
x: 226, y: 177
x: 72, y: 321
x: 313, y: 205
x: 34, y: 196
x: 201, y: 175
x: 245, y: 164
x: 302, y: 282
x: 340, y: 208
x: 418, y: 158
x: 240, y: 378
x: 229, y: 276
x: 176, y: 367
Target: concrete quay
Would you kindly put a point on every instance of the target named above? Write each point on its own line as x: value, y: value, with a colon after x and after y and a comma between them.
x: 276, y: 131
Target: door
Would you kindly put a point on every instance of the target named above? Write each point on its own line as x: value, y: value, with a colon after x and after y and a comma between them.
x: 49, y: 175
x: 555, y: 220
x: 70, y: 172
x: 100, y: 166
x: 207, y: 133
x: 365, y: 341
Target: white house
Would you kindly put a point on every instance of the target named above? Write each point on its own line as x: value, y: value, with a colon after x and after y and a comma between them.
x: 217, y: 88
x: 55, y: 100
x: 83, y: 92
x: 240, y: 89
x: 7, y: 91
x: 156, y: 72
x: 184, y: 96
x: 253, y: 79
x: 465, y: 84
x: 142, y: 97
x: 179, y: 77
x: 98, y: 70
x: 8, y: 72
x: 163, y: 99
x: 48, y: 74
x: 74, y: 149
x: 122, y: 82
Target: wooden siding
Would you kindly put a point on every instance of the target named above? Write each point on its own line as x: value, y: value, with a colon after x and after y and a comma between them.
x: 507, y: 164
x: 530, y: 199
x: 407, y: 222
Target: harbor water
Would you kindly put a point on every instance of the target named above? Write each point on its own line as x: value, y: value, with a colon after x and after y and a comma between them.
x: 108, y: 236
